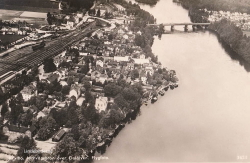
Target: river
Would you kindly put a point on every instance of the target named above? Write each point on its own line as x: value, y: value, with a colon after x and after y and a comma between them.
x: 206, y: 118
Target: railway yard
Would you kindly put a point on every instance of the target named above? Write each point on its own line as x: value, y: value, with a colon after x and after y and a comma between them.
x: 25, y: 58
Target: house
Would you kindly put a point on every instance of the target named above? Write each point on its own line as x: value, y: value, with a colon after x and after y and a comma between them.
x: 79, y: 102
x: 28, y: 92
x: 20, y: 130
x: 101, y: 103
x: 40, y: 114
x: 59, y: 135
x: 119, y: 59
x: 140, y: 61
x: 102, y: 78
x: 143, y: 77
x: 75, y: 90
x: 52, y: 78
x: 149, y: 70
x: 142, y: 56
x: 95, y: 74
x: 130, y: 66
x: 58, y: 60
x: 63, y: 83
x: 99, y: 63
x: 70, y: 23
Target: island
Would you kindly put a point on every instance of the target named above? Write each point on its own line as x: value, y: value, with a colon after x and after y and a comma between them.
x: 87, y: 81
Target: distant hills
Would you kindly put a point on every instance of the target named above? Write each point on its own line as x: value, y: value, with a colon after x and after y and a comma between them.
x: 29, y: 5
x: 149, y: 2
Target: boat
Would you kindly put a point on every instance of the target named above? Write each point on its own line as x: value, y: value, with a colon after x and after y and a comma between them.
x: 154, y: 99
x: 162, y: 92
x: 172, y: 86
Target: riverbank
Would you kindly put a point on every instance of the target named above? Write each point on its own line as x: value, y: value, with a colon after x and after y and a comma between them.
x: 227, y: 30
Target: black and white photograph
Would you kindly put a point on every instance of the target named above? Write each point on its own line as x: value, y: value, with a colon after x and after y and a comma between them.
x: 124, y: 81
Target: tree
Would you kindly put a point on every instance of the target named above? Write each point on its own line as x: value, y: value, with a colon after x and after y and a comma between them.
x: 26, y: 144
x: 40, y: 102
x: 67, y: 147
x: 60, y: 116
x: 5, y: 108
x: 85, y: 69
x: 49, y: 18
x: 87, y: 85
x: 47, y: 126
x: 49, y: 65
x: 112, y: 89
x: 75, y: 132
x: 65, y: 89
x: 25, y: 118
x: 70, y: 80
x: 120, y: 101
x: 90, y: 114
x: 16, y: 110
x: 72, y: 114
x: 98, y: 14
x: 110, y: 37
x: 19, y: 98
x: 134, y: 74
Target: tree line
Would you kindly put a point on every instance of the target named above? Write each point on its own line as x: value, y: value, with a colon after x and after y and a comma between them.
x: 149, y: 2
x: 217, y: 5
x: 234, y: 37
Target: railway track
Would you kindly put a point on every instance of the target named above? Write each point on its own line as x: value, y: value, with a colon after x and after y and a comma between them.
x: 37, y: 57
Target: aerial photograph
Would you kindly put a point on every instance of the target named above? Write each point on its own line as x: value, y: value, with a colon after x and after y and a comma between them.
x: 124, y: 81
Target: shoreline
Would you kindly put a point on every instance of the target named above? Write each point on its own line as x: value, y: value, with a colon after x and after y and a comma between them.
x: 195, y: 17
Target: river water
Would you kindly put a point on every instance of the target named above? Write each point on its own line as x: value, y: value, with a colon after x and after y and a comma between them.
x: 206, y: 118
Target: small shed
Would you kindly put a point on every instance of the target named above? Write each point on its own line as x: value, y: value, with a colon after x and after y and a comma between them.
x: 59, y: 135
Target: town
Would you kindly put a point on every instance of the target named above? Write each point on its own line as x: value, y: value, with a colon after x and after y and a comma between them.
x: 77, y: 99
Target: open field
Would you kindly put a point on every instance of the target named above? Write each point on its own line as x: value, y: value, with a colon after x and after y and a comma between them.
x: 35, y: 18
x: 10, y: 38
x: 46, y: 145
x: 29, y: 5
x: 8, y: 151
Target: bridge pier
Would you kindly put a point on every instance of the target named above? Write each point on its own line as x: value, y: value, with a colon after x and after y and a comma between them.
x: 194, y: 27
x: 185, y: 28
x: 172, y: 28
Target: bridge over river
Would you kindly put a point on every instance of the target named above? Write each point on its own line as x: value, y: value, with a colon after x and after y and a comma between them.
x: 194, y: 25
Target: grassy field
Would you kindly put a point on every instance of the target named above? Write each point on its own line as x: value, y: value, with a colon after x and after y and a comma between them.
x: 29, y: 5
x: 10, y: 38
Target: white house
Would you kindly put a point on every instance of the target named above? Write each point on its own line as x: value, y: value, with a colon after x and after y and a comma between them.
x: 120, y: 59
x: 75, y: 91
x: 99, y: 62
x: 28, y: 92
x: 142, y: 56
x: 101, y: 103
x: 140, y: 61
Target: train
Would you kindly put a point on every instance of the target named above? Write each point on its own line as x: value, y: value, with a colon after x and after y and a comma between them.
x: 38, y: 46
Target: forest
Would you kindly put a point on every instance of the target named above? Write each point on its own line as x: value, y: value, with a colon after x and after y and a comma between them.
x: 149, y: 2
x: 228, y: 32
x: 233, y: 36
x: 217, y: 5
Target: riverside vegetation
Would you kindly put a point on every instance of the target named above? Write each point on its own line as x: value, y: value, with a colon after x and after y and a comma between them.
x: 231, y: 34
